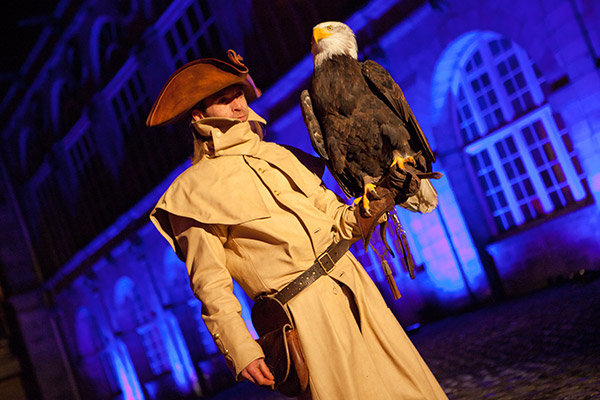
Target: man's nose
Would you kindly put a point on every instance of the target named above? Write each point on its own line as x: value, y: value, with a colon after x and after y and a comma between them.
x: 237, y: 103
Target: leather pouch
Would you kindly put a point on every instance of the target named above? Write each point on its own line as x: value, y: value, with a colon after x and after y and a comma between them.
x: 280, y: 343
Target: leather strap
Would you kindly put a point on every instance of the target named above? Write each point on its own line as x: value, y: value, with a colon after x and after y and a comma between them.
x: 322, y: 266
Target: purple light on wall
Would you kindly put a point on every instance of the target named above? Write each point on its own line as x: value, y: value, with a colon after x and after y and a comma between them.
x: 442, y: 243
x: 179, y: 357
x: 128, y: 380
x: 595, y: 182
x: 176, y: 358
x: 432, y: 244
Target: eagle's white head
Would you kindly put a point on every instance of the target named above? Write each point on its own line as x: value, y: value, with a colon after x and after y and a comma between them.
x: 330, y: 39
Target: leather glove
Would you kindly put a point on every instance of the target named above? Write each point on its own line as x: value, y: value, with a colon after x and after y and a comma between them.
x: 420, y: 162
x: 379, y: 207
x: 404, y: 183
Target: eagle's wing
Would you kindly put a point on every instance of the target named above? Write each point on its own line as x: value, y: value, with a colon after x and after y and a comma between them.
x: 314, y: 129
x: 384, y: 86
x: 318, y: 141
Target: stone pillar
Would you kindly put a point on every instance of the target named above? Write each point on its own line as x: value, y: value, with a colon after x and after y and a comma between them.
x: 36, y: 324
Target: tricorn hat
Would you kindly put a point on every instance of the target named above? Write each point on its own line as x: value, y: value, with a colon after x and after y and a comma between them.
x: 194, y: 82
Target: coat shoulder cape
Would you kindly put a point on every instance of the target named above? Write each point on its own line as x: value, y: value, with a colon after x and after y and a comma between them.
x: 222, y: 190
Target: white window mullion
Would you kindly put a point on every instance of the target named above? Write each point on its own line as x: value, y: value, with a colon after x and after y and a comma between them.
x: 532, y: 172
x: 540, y: 185
x: 164, y: 46
x: 506, y: 186
x: 190, y: 39
x: 532, y: 80
x: 497, y: 84
x: 564, y: 159
x: 477, y: 115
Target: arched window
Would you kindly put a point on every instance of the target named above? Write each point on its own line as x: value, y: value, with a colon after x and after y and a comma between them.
x: 92, y: 346
x: 36, y: 139
x: 135, y: 314
x: 131, y: 103
x: 31, y: 152
x: 107, y: 54
x: 193, y: 35
x: 520, y: 150
x: 66, y: 110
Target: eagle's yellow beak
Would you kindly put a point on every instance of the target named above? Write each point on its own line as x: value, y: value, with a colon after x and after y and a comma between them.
x: 320, y: 33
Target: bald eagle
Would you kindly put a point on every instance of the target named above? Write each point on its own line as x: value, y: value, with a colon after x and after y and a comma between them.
x: 360, y: 123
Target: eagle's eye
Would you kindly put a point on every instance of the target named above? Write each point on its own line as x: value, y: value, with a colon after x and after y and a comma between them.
x: 330, y: 28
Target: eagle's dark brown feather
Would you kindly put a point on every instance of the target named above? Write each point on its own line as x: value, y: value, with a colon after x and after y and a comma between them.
x: 383, y: 84
x: 359, y: 122
x: 360, y: 128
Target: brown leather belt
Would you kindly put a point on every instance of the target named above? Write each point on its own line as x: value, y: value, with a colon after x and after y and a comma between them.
x: 322, y: 266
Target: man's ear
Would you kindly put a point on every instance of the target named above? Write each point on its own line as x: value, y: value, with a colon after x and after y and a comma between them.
x: 197, y: 115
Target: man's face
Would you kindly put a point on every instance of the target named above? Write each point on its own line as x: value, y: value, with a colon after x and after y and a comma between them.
x: 227, y: 103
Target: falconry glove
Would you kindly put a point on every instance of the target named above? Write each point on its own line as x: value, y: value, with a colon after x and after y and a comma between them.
x: 404, y: 183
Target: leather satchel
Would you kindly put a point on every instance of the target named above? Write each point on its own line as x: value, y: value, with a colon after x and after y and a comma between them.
x: 281, y: 345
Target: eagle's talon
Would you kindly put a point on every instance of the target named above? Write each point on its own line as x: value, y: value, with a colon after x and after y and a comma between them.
x: 399, y: 161
x: 363, y: 201
x: 371, y: 189
x: 364, y: 204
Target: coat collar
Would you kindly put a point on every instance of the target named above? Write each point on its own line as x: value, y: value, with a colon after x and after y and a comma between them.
x: 231, y: 136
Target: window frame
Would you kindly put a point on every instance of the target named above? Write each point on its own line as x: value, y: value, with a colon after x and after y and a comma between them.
x: 129, y: 108
x: 514, y: 129
x: 179, y: 14
x: 490, y: 65
x: 479, y: 59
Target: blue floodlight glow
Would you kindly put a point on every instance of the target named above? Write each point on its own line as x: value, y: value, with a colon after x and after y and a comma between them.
x: 128, y: 380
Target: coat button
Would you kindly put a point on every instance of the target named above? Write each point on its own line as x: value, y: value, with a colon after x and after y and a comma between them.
x: 226, y: 352
x: 218, y: 133
x: 216, y: 336
x: 276, y: 192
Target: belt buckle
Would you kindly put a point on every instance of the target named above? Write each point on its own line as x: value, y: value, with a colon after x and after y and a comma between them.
x: 320, y: 258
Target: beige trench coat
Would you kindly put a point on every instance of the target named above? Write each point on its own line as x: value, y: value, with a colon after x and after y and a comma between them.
x: 254, y: 213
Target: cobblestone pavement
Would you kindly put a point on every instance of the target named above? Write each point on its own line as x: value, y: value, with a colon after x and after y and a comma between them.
x: 541, y: 346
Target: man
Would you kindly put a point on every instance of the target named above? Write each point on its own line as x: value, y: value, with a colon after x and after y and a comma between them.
x: 248, y: 210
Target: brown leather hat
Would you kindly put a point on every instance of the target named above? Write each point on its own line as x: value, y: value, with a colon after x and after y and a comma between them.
x: 194, y: 82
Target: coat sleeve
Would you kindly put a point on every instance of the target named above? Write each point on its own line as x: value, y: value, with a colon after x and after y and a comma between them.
x: 202, y: 247
x: 343, y: 216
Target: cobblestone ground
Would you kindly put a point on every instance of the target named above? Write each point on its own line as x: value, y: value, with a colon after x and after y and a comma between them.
x: 542, y: 346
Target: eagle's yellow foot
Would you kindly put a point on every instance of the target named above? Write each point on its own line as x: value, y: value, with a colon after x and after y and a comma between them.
x: 401, y: 161
x: 364, y: 199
